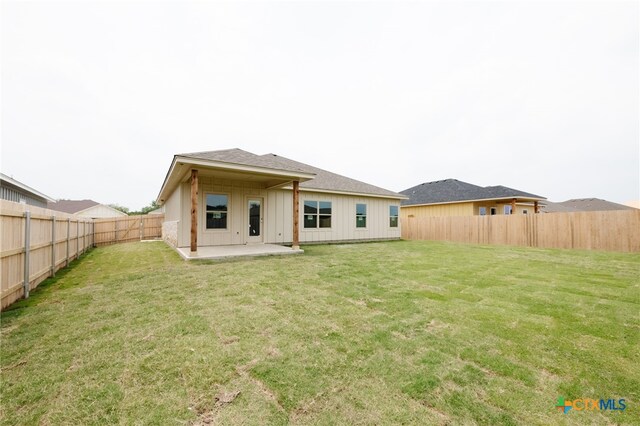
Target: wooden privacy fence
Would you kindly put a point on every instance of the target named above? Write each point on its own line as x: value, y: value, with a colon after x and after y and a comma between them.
x: 36, y: 243
x: 126, y: 229
x: 607, y: 230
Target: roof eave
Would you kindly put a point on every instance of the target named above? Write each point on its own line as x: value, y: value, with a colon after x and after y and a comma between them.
x: 477, y: 201
x: 358, y: 194
x: 26, y: 188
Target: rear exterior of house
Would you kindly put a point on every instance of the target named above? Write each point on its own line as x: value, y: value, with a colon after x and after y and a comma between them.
x: 241, y: 198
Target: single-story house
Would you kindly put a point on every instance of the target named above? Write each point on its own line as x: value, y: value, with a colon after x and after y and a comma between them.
x: 85, y: 208
x: 18, y: 192
x: 233, y: 197
x: 583, y: 205
x: 451, y: 197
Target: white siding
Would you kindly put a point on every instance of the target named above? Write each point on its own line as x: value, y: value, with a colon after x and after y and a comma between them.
x: 172, y: 206
x: 172, y: 210
x: 278, y: 215
x: 343, y: 218
x: 100, y: 211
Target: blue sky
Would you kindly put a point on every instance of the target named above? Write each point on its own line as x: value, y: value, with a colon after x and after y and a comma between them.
x: 542, y: 97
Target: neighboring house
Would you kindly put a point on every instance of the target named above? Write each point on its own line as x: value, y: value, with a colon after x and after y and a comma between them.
x: 583, y: 205
x: 247, y: 198
x: 159, y: 210
x: 18, y: 192
x: 85, y: 208
x: 451, y: 197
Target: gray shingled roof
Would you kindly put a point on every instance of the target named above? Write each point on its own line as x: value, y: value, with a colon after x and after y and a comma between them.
x: 323, y: 180
x: 71, y: 206
x: 453, y: 190
x: 239, y: 156
x: 584, y: 205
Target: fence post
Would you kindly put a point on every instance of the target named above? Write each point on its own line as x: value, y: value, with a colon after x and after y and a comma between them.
x: 93, y: 233
x: 27, y: 244
x: 53, y: 246
x: 116, y: 222
x: 84, y: 236
x: 141, y: 229
x: 68, y: 240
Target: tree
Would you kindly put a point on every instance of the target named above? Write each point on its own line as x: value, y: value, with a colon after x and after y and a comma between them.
x: 118, y: 207
x: 145, y: 209
x: 150, y: 207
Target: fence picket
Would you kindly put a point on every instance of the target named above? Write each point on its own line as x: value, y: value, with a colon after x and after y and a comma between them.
x: 606, y: 230
x: 28, y: 233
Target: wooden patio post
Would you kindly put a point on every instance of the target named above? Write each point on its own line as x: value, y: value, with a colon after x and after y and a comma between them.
x: 296, y: 215
x: 536, y: 209
x: 194, y: 211
x: 513, y: 206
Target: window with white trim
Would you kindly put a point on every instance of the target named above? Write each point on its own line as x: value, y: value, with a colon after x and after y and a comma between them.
x: 317, y: 214
x: 507, y: 209
x: 482, y: 211
x: 361, y: 215
x: 217, y: 206
x: 393, y: 216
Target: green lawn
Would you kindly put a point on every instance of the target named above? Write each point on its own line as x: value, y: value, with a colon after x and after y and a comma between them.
x: 380, y: 333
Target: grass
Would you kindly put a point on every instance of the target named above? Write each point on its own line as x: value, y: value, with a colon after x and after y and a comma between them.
x: 401, y: 332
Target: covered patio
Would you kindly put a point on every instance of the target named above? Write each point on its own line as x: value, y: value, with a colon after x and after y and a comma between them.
x: 233, y: 251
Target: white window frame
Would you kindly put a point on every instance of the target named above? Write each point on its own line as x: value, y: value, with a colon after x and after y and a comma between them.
x: 363, y: 215
x: 397, y: 216
x: 317, y: 215
x: 204, y: 203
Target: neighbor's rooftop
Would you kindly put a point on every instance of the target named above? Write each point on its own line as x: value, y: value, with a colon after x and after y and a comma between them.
x: 453, y: 190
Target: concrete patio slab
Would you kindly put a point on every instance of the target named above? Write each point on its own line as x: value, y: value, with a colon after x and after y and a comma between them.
x: 226, y: 252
